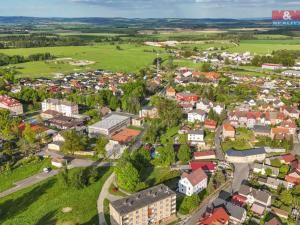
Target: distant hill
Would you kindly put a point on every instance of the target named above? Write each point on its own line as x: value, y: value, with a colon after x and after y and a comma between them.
x: 141, y: 23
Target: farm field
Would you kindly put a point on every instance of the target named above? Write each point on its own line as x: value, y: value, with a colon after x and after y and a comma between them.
x: 130, y: 59
x: 265, y: 46
x: 42, y: 204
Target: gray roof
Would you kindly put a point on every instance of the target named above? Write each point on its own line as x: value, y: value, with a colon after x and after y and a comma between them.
x: 245, y: 189
x: 261, y: 196
x: 142, y: 199
x: 235, y: 211
x: 110, y: 121
x: 244, y: 153
x: 261, y: 129
x: 200, y: 131
x: 219, y: 202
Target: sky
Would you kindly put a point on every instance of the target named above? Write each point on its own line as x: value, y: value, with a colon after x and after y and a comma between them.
x: 146, y: 8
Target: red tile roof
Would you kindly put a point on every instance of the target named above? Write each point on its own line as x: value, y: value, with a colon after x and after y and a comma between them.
x: 218, y: 217
x: 288, y: 158
x: 228, y: 127
x: 8, y: 101
x: 204, y: 153
x: 195, y: 177
x: 206, y: 166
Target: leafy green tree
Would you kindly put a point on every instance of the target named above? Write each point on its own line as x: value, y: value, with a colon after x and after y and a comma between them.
x: 184, y: 153
x: 166, y: 155
x: 189, y: 203
x: 296, y: 190
x: 169, y: 111
x: 206, y: 67
x: 100, y: 145
x: 268, y: 172
x: 113, y: 103
x: 286, y: 197
x: 284, y: 169
x: 78, y: 178
x: 28, y: 134
x: 73, y: 142
x: 127, y: 176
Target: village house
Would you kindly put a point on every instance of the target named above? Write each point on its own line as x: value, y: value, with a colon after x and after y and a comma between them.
x: 261, y: 168
x: 202, y: 155
x: 274, y: 183
x: 192, y: 183
x: 196, y: 115
x: 218, y: 216
x: 255, y: 196
x: 149, y: 112
x: 261, y: 130
x: 196, y: 137
x: 187, y: 97
x: 246, y: 156
x: 208, y: 166
x: 228, y: 132
x: 13, y: 105
x: 170, y: 92
x: 210, y: 125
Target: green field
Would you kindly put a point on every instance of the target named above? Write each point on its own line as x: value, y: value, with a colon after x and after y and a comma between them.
x: 42, y: 204
x: 130, y: 59
x: 7, y: 179
x: 265, y: 46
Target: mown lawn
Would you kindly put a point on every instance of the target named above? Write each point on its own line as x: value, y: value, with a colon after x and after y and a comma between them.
x: 130, y: 59
x: 7, y: 179
x: 42, y: 204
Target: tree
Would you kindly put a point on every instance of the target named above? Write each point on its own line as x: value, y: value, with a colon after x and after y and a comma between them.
x: 113, y: 103
x: 78, y: 178
x: 184, y: 153
x: 268, y: 172
x: 28, y: 134
x: 189, y: 203
x: 296, y: 190
x: 127, y: 176
x: 284, y: 169
x: 100, y: 146
x: 166, y: 155
x: 73, y: 142
x: 219, y: 178
x: 206, y: 67
x: 286, y: 198
x: 169, y: 111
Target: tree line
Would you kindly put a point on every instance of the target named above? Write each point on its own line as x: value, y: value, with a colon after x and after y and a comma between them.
x: 15, y: 59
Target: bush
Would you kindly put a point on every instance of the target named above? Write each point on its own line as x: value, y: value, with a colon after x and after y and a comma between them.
x: 189, y: 203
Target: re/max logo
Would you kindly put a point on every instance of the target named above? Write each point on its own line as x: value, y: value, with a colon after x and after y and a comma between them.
x: 286, y: 17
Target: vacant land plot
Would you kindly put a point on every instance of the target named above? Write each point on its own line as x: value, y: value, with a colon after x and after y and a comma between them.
x: 131, y: 58
x: 46, y: 204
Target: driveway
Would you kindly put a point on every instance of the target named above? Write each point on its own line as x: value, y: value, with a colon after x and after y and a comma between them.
x: 29, y: 182
x: 241, y: 173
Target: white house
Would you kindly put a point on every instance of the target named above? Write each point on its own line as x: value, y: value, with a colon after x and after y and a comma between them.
x: 196, y: 136
x: 192, y: 183
x: 65, y: 107
x: 270, y: 66
x: 196, y: 115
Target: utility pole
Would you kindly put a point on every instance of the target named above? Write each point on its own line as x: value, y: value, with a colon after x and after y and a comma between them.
x: 157, y: 63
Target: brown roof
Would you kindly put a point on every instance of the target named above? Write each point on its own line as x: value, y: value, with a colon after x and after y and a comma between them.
x: 273, y: 221
x: 195, y: 177
x: 126, y: 135
x: 228, y: 127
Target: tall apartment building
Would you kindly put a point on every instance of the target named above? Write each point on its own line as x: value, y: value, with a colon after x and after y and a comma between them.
x: 151, y: 206
x: 13, y: 105
x: 63, y: 106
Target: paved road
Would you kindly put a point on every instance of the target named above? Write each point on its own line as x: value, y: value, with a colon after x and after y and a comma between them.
x: 219, y: 151
x: 29, y: 182
x: 103, y: 195
x: 194, y: 218
x: 241, y: 173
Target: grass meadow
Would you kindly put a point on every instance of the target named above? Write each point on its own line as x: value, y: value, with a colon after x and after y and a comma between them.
x: 42, y: 204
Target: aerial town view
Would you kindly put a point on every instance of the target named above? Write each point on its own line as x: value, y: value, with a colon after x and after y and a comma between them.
x: 148, y: 112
